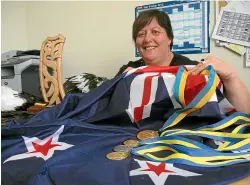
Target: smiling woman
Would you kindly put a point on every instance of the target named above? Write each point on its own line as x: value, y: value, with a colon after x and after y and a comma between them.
x: 154, y: 44
x: 153, y: 36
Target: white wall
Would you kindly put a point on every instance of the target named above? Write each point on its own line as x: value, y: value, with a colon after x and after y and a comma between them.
x: 98, y: 35
x: 14, y: 26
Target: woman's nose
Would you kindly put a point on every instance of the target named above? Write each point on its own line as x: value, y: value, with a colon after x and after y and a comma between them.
x: 148, y: 37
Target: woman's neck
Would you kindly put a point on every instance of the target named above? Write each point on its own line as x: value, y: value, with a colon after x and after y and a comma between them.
x: 169, y: 59
x: 161, y: 62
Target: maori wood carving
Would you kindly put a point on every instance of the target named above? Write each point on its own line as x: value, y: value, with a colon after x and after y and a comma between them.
x: 50, y: 69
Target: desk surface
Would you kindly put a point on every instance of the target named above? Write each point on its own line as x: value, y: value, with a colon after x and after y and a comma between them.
x: 245, y: 181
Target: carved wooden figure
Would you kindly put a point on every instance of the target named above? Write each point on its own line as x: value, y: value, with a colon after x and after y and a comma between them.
x: 50, y: 60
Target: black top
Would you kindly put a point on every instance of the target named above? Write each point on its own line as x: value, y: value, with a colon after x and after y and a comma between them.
x: 176, y: 61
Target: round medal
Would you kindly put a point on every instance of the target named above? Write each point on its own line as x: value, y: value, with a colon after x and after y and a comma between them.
x: 122, y: 148
x: 147, y: 134
x: 117, y: 155
x: 131, y: 143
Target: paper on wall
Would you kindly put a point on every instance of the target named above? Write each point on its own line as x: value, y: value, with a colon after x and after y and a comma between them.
x: 248, y: 57
x: 236, y: 48
x: 236, y: 6
x: 219, y: 4
x: 233, y: 27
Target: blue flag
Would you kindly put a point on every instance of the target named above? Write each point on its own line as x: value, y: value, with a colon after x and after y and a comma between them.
x: 68, y: 143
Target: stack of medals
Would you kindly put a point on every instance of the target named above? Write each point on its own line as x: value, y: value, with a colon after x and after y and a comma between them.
x: 123, y: 151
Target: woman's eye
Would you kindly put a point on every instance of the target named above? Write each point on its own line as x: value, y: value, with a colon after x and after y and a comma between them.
x: 156, y: 32
x: 140, y: 34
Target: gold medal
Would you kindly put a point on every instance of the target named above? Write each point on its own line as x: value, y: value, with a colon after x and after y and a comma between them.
x: 117, y: 155
x: 131, y: 143
x: 147, y: 134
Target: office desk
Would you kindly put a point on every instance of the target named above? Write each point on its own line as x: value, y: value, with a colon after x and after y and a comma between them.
x: 245, y: 181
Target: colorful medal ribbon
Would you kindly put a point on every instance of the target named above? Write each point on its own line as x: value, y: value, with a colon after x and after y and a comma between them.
x: 190, y: 152
x: 198, y: 102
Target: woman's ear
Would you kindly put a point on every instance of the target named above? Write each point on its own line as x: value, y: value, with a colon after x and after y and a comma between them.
x: 169, y: 42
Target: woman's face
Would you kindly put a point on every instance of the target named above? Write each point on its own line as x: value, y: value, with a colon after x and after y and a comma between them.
x: 153, y: 43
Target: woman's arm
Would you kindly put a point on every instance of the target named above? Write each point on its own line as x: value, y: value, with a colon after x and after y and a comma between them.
x: 236, y: 92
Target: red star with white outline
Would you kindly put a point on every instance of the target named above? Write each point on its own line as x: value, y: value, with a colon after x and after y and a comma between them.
x: 43, y: 148
x: 159, y: 172
x: 158, y: 169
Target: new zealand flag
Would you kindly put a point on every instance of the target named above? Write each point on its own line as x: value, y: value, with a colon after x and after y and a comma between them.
x: 68, y: 143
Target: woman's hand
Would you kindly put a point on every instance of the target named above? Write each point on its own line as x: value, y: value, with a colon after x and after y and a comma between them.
x: 225, y: 71
x: 236, y: 92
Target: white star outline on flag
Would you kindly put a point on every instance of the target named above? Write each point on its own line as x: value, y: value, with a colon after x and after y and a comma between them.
x: 46, y: 146
x: 167, y: 169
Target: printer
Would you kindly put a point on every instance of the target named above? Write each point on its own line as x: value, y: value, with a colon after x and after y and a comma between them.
x: 20, y: 71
